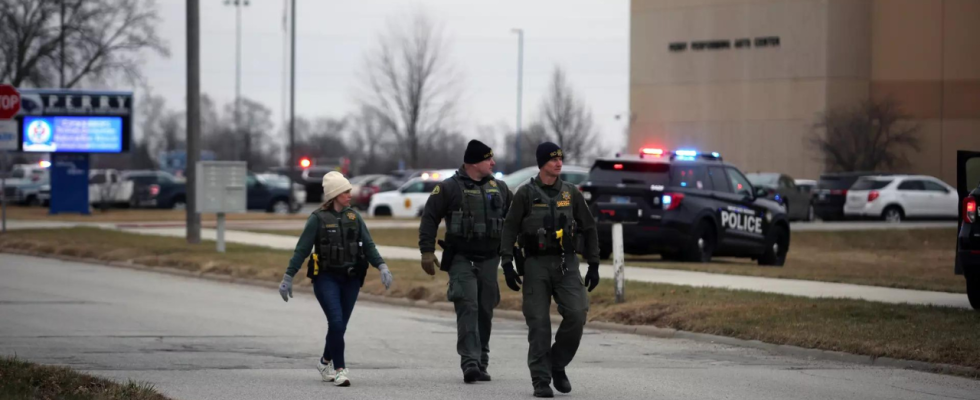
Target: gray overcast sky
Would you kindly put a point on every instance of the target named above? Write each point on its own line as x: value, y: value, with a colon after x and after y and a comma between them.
x: 589, y: 38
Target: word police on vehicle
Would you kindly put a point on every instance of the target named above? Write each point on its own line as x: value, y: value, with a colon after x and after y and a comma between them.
x: 742, y: 219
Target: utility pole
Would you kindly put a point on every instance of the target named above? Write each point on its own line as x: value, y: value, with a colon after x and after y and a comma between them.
x: 520, y: 94
x: 292, y: 93
x: 193, y: 118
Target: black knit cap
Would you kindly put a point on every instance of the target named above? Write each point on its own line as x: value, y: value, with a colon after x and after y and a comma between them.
x: 477, y: 152
x: 547, y: 151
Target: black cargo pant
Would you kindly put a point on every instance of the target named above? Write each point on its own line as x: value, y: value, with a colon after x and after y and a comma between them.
x: 474, y: 291
x: 543, y: 279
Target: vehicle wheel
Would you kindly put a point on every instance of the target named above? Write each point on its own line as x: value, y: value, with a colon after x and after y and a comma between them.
x: 382, y: 212
x: 973, y: 287
x: 776, y: 248
x: 893, y: 214
x: 702, y: 246
x: 604, y: 254
x: 33, y: 201
x: 178, y: 204
x: 810, y: 214
x: 279, y: 206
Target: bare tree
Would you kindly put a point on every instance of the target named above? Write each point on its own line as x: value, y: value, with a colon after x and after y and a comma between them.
x: 256, y: 124
x: 868, y: 137
x: 369, y: 139
x: 63, y: 42
x: 531, y: 137
x: 567, y: 120
x: 412, y: 90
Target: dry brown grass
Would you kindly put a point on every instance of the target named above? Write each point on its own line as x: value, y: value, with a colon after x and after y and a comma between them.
x: 924, y: 333
x: 28, y: 381
x: 137, y: 215
x: 909, y: 259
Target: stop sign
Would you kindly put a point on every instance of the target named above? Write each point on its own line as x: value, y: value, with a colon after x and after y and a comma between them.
x: 9, y: 101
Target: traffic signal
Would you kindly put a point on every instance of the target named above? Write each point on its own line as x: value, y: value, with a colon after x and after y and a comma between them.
x: 305, y: 162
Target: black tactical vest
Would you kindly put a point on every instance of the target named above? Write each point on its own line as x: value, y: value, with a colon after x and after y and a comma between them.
x: 337, y: 247
x: 547, y: 216
x: 477, y: 224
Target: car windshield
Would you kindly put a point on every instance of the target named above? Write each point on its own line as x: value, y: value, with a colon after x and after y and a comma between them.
x: 626, y: 172
x: 520, y: 176
x: 763, y: 180
x: 870, y: 184
x: 274, y: 180
x: 836, y: 182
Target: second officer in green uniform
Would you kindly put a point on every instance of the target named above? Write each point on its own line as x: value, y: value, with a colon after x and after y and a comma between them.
x: 548, y: 218
x: 474, y: 205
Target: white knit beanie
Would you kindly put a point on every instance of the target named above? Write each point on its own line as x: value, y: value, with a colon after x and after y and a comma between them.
x: 334, y: 184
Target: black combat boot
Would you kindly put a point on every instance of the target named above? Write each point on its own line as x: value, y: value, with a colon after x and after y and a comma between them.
x: 543, y: 390
x: 471, y: 374
x: 484, y: 376
x: 560, y: 380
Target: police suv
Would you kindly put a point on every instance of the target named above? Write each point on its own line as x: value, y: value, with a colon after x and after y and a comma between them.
x: 685, y: 205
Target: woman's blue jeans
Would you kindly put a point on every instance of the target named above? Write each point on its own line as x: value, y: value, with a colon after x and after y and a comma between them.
x: 337, y: 295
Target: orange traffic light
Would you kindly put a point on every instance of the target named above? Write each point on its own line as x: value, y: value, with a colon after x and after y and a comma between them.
x: 305, y: 162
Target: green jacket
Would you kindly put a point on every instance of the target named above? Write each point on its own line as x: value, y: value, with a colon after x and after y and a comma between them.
x: 306, y: 240
x: 519, y: 210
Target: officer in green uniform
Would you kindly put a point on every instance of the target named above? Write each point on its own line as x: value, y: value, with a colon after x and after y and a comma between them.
x: 550, y: 221
x: 474, y: 205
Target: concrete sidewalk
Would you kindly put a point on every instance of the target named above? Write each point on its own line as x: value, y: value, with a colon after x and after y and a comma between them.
x: 677, y: 277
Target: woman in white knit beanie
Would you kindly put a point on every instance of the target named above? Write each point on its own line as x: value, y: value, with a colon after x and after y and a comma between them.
x: 341, y: 249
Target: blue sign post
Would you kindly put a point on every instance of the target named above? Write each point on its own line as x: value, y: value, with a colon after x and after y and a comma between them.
x: 69, y: 183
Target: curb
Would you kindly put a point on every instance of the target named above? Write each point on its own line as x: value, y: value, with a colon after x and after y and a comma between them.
x: 642, y: 330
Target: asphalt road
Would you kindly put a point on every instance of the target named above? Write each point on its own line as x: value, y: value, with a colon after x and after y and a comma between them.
x: 197, y: 339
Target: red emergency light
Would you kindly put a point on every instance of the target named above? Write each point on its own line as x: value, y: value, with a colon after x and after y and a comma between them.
x: 647, y: 151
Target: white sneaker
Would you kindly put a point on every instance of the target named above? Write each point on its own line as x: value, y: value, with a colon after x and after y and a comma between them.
x: 326, y: 370
x: 341, y: 378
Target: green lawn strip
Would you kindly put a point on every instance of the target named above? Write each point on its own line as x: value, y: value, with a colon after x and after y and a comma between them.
x: 28, y: 381
x: 923, y: 333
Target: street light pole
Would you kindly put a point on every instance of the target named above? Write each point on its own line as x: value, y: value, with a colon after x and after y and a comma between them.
x: 238, y: 4
x: 292, y: 91
x: 520, y: 94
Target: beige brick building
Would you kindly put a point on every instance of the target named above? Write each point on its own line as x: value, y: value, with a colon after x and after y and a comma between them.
x: 748, y: 78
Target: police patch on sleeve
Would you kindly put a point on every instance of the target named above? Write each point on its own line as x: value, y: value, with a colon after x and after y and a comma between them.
x: 436, y: 190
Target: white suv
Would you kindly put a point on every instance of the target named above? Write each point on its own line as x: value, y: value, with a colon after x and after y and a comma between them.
x: 897, y: 197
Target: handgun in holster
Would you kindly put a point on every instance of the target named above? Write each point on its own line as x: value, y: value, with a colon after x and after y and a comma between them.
x: 448, y: 253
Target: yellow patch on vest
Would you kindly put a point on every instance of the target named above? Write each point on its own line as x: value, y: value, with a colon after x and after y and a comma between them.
x: 351, y: 216
x: 564, y: 203
x: 493, y: 183
x: 330, y: 225
x: 566, y: 195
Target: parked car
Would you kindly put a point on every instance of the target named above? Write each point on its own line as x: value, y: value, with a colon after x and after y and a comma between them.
x: 897, y: 197
x: 968, y: 238
x: 157, y: 189
x: 107, y: 187
x: 406, y: 202
x: 271, y: 194
x: 807, y: 185
x: 364, y: 189
x: 782, y: 189
x: 569, y: 173
x: 831, y: 193
x: 26, y: 189
x: 298, y: 191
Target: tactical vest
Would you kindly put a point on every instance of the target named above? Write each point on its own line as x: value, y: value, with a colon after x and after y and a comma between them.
x: 478, y: 223
x: 548, y: 217
x: 337, y: 246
